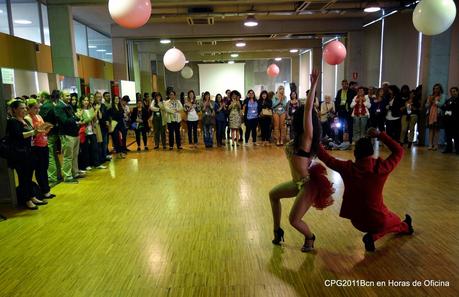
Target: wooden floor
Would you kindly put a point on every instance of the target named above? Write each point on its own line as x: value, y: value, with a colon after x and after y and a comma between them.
x: 198, y: 223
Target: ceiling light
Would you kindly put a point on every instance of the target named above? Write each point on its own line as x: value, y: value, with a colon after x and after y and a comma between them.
x: 165, y: 41
x: 372, y: 8
x: 293, y: 50
x: 92, y: 46
x: 240, y: 44
x: 234, y: 55
x: 23, y: 22
x: 186, y: 62
x: 278, y: 59
x: 1, y: 11
x: 230, y: 62
x: 109, y: 54
x: 251, y: 21
x: 101, y: 50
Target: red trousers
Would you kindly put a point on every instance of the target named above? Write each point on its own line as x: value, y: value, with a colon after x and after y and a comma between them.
x: 390, y: 223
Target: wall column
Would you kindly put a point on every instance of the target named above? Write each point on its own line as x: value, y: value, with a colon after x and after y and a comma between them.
x: 62, y: 40
x: 120, y: 68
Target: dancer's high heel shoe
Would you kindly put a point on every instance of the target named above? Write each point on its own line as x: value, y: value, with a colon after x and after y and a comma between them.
x: 278, y: 236
x: 308, y: 245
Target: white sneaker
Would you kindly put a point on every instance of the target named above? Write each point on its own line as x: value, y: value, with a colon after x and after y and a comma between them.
x: 101, y: 167
x: 89, y: 168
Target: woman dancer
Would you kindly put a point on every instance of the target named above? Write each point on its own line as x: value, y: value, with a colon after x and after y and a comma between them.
x: 308, y: 184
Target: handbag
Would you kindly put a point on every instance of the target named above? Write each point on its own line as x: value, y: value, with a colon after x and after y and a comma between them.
x: 266, y: 112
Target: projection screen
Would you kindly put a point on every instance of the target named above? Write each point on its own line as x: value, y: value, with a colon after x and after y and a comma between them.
x: 216, y: 78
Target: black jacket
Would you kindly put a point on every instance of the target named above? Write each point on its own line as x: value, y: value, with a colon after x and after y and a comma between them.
x: 350, y: 96
x: 396, y: 107
x: 49, y: 116
x: 145, y: 115
x: 66, y: 119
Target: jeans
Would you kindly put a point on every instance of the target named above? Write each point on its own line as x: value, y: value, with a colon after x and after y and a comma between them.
x: 89, y: 155
x: 251, y: 128
x: 192, y: 132
x: 265, y: 126
x: 220, y: 129
x: 142, y: 131
x: 24, y: 169
x: 174, y: 129
x: 208, y: 132
x: 70, y: 150
x: 41, y: 164
x: 54, y: 166
x: 408, y: 123
x: 359, y: 127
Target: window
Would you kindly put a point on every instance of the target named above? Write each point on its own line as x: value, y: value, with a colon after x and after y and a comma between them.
x: 4, y: 27
x: 26, y: 22
x: 81, y: 45
x: 44, y: 17
x: 99, y: 45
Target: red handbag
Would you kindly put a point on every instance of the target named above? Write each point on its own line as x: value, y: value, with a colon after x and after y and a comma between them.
x: 82, y: 134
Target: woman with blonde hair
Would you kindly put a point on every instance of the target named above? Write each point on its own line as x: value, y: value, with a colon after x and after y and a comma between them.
x: 279, y: 115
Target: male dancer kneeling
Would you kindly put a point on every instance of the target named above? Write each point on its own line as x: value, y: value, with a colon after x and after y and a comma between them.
x: 364, y: 181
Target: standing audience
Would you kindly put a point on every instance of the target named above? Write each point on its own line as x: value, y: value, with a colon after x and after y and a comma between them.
x: 265, y: 110
x: 360, y: 113
x: 173, y: 108
x: 139, y: 120
x: 451, y: 121
x: 250, y: 110
x: 279, y: 116
x: 434, y: 104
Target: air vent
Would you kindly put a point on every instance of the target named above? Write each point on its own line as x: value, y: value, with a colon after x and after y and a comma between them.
x: 200, y: 21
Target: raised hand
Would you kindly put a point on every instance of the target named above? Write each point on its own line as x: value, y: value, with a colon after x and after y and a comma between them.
x: 314, y: 76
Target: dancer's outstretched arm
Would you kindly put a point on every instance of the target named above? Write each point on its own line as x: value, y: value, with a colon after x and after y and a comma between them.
x: 331, y: 162
x: 394, y: 158
x: 306, y: 140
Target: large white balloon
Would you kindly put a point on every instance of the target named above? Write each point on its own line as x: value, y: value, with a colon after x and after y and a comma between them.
x: 174, y: 60
x: 130, y: 14
x: 432, y: 17
x: 187, y: 72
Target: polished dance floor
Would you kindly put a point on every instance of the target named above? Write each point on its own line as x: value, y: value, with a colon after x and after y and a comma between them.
x: 198, y: 223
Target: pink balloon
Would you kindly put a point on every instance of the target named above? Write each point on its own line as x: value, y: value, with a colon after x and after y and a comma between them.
x: 334, y: 53
x: 130, y: 14
x: 273, y: 70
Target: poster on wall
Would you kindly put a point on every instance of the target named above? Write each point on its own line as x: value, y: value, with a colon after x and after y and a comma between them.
x: 8, y: 76
x: 127, y: 88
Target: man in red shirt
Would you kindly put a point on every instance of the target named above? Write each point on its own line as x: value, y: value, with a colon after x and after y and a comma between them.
x: 364, y: 181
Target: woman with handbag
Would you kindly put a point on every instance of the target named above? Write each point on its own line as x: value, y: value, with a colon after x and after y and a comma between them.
x: 139, y: 120
x: 292, y: 106
x: 250, y: 110
x: 192, y: 108
x: 433, y: 105
x: 40, y: 151
x: 208, y: 120
x: 235, y: 119
x: 266, y: 114
x: 220, y: 109
x: 159, y: 120
x: 20, y: 134
x: 117, y: 125
x: 279, y: 115
x: 89, y: 155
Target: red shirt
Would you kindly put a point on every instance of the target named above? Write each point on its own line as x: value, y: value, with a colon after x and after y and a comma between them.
x: 41, y: 139
x: 364, y: 182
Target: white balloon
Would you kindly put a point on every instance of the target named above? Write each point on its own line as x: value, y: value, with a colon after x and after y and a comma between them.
x: 432, y: 17
x: 187, y: 72
x: 174, y: 60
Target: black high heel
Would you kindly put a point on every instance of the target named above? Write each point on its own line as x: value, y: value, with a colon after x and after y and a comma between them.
x: 308, y: 245
x: 278, y: 236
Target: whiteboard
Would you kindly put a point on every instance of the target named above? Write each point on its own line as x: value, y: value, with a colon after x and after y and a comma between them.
x: 217, y: 78
x: 127, y: 88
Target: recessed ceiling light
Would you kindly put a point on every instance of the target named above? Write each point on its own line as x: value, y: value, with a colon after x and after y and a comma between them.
x: 240, y: 44
x: 278, y: 59
x: 186, y: 62
x: 251, y: 21
x: 165, y: 41
x: 230, y: 62
x: 234, y: 55
x: 92, y: 46
x: 23, y: 22
x: 1, y: 11
x: 101, y: 50
x: 294, y: 50
x: 109, y: 54
x: 372, y: 9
